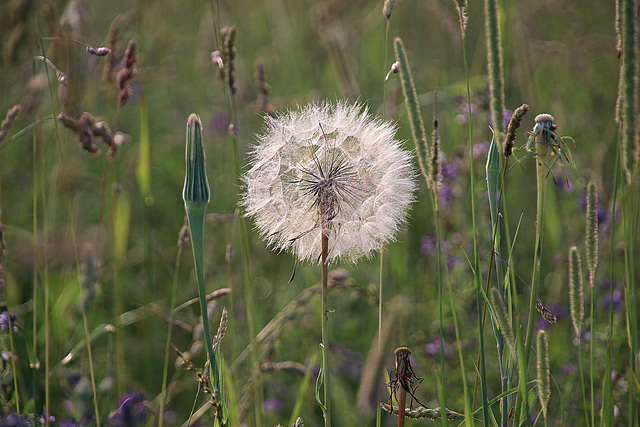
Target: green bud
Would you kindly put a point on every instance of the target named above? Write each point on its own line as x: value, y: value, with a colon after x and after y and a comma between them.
x: 196, y: 185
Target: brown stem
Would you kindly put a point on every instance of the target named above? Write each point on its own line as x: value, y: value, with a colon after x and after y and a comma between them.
x: 402, y: 401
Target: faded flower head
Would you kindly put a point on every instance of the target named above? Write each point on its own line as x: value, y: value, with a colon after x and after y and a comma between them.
x: 331, y: 169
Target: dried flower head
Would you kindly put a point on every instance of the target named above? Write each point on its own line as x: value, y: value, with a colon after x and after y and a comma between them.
x: 544, y: 131
x: 514, y: 124
x: 387, y: 7
x: 331, y: 169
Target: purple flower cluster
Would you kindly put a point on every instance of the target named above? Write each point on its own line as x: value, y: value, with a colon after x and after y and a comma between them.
x: 14, y: 420
x: 130, y: 410
x: 5, y: 319
x: 601, y: 212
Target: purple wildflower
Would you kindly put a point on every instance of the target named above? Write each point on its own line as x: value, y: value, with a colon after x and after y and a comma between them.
x: 452, y: 261
x: 430, y: 244
x: 463, y: 117
x: 14, y: 420
x: 271, y: 404
x: 506, y: 116
x: 4, y: 321
x: 130, y: 410
x: 617, y: 300
x: 43, y: 419
x: 601, y: 212
x: 568, y: 369
x: 449, y: 172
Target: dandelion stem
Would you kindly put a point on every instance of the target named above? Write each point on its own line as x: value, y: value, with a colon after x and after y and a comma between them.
x: 325, y: 326
x: 542, y: 152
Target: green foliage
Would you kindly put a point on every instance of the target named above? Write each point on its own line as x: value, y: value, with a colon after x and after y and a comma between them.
x: 58, y: 211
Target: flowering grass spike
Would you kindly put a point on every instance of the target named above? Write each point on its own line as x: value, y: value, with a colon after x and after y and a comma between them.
x: 328, y: 168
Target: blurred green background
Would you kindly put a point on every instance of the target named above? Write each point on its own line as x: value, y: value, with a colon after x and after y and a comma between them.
x: 559, y: 57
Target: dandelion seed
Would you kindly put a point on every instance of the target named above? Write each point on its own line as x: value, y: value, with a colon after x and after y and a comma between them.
x: 333, y: 170
x: 395, y: 69
x: 216, y: 58
x: 99, y: 51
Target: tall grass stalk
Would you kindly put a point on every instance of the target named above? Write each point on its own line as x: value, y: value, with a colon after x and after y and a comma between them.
x: 386, y: 12
x: 591, y: 244
x: 477, y: 274
x: 419, y: 137
x: 493, y: 169
x: 496, y: 101
x: 45, y: 259
x: 429, y: 172
x: 248, y: 290
x: 468, y: 409
x: 494, y: 62
x: 630, y: 201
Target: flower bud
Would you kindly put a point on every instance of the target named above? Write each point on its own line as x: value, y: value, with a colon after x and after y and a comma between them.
x: 196, y: 185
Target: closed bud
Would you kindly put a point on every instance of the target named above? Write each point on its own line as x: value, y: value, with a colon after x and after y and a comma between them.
x: 196, y: 185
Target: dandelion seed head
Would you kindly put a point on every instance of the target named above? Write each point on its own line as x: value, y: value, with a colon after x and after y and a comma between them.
x: 331, y: 168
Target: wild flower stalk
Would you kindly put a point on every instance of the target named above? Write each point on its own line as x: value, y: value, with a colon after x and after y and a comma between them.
x: 328, y: 183
x: 541, y: 139
x: 196, y: 195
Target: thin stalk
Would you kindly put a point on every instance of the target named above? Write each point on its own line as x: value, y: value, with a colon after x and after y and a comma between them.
x: 325, y: 327
x: 584, y: 392
x: 466, y: 73
x: 167, y: 348
x: 46, y: 273
x: 541, y: 155
x: 441, y: 376
x: 13, y: 360
x: 591, y: 364
x: 35, y: 364
x: 384, y: 114
x: 477, y: 274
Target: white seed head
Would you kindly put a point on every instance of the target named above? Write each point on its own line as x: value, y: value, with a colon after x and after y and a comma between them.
x: 331, y: 168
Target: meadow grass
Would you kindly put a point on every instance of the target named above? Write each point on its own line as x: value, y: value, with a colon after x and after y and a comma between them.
x: 483, y: 285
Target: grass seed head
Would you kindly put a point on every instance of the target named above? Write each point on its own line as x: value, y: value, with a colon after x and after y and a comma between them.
x: 576, y: 295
